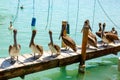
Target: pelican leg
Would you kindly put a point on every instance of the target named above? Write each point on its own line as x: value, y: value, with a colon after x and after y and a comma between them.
x: 88, y: 46
x: 34, y: 56
x: 51, y: 54
x: 17, y: 58
x: 104, y: 44
x: 12, y: 60
x: 58, y: 53
x: 67, y: 48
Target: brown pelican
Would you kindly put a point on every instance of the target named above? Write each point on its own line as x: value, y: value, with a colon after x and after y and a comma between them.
x: 15, y: 48
x: 53, y: 47
x: 99, y: 31
x: 114, y: 31
x: 87, y: 23
x: 92, y: 40
x: 35, y: 47
x: 66, y: 39
x: 108, y: 37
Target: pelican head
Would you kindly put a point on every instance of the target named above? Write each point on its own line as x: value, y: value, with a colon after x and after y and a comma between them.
x: 34, y: 32
x: 50, y: 32
x: 100, y: 27
x: 104, y: 25
x: 15, y: 31
x: 86, y: 24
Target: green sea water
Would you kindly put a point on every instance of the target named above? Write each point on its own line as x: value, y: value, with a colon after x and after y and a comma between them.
x: 104, y: 68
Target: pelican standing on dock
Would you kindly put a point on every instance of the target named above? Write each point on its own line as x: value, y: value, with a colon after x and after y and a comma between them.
x: 15, y: 48
x: 53, y: 47
x: 66, y: 39
x: 99, y: 31
x: 114, y: 31
x: 108, y: 37
x: 35, y: 47
x: 92, y: 40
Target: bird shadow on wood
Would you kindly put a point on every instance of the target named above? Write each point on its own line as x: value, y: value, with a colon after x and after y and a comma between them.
x: 31, y: 59
x: 105, y: 46
x: 49, y: 57
x: 7, y: 63
x: 66, y: 51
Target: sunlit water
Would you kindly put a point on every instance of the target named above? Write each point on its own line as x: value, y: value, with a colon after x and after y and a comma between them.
x: 104, y: 68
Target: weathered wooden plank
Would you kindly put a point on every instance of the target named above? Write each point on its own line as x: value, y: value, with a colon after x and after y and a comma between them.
x: 27, y: 69
x: 102, y: 52
x: 69, y: 57
x: 26, y: 65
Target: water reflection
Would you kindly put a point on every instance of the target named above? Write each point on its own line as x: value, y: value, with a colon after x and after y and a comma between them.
x: 81, y: 76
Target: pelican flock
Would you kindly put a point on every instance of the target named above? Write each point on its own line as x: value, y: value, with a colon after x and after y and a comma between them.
x: 14, y: 49
x: 53, y: 47
x: 106, y: 36
x: 35, y: 47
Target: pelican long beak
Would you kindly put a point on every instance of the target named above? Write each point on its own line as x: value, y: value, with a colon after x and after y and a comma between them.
x: 33, y: 36
x: 60, y: 34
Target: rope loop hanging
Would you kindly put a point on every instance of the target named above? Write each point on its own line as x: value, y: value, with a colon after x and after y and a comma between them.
x: 17, y: 11
x: 33, y: 8
x: 51, y: 13
x: 68, y: 10
x: 33, y: 23
x: 77, y: 18
x: 93, y: 13
x: 48, y: 14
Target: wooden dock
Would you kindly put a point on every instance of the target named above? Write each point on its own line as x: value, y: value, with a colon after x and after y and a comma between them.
x: 26, y: 64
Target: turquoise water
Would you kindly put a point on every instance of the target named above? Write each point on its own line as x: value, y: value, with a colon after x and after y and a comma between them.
x: 104, y: 68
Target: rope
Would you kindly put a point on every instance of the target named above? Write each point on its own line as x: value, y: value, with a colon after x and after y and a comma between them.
x: 68, y: 11
x: 48, y: 14
x: 51, y: 13
x: 33, y: 8
x: 107, y: 14
x: 93, y: 13
x: 16, y: 15
x: 77, y: 18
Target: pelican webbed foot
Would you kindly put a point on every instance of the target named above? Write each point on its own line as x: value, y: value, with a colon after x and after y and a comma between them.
x: 12, y: 60
x: 35, y: 57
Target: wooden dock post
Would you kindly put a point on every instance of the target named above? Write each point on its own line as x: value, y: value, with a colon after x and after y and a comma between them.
x: 65, y: 32
x: 119, y: 64
x: 83, y: 50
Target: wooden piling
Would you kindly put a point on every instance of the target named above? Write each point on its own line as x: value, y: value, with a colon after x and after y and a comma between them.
x: 83, y: 50
x: 65, y: 32
x: 119, y: 64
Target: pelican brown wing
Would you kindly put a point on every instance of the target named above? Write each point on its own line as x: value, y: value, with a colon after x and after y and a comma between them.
x: 57, y: 47
x: 40, y: 48
x: 111, y: 37
x: 69, y: 42
x: 92, y: 41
